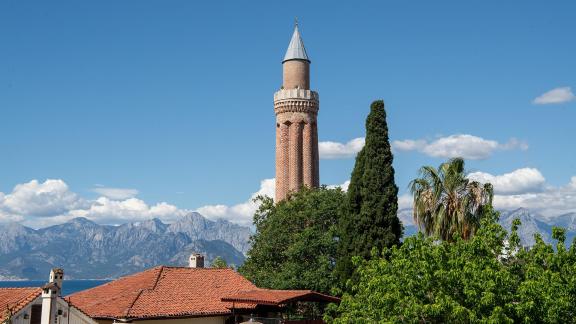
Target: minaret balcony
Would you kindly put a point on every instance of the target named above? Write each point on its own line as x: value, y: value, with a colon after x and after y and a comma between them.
x: 289, y: 94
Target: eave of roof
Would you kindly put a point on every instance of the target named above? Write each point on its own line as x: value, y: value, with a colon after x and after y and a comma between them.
x: 278, y: 297
x: 163, y: 292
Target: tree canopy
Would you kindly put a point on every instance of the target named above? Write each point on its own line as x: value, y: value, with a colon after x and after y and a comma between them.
x: 294, y: 246
x: 219, y: 262
x: 447, y: 203
x: 370, y: 219
x: 488, y: 278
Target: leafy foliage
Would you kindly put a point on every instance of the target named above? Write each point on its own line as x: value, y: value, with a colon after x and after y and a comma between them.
x: 219, y: 262
x: 370, y: 219
x: 294, y: 246
x: 488, y: 279
x: 447, y: 203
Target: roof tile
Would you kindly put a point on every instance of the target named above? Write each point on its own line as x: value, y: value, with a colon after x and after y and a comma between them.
x: 14, y: 299
x: 163, y: 292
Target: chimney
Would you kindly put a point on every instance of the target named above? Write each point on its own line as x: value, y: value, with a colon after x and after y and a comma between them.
x: 57, y: 277
x: 50, y: 293
x: 196, y: 260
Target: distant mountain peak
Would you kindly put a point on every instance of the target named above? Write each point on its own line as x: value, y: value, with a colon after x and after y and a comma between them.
x: 88, y: 250
x: 82, y: 220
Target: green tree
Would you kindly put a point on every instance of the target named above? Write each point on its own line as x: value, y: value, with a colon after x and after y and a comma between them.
x: 219, y: 262
x: 294, y: 246
x: 370, y: 219
x: 446, y: 202
x: 464, y: 281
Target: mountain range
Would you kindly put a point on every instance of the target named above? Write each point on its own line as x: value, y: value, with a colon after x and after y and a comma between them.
x: 87, y: 250
x: 532, y: 223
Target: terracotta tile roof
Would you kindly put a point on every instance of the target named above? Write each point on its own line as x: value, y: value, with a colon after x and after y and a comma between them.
x: 163, y: 292
x: 15, y: 299
x: 278, y: 297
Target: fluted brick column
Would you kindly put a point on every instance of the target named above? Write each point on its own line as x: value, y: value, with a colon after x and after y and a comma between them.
x: 295, y: 156
x: 296, y: 142
x: 279, y: 162
x: 315, y: 156
x: 308, y: 155
x: 282, y: 160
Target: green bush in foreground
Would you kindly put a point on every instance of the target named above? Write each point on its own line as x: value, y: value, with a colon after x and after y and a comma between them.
x: 486, y: 279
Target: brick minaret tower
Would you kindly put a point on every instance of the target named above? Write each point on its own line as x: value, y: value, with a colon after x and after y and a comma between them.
x: 296, y: 108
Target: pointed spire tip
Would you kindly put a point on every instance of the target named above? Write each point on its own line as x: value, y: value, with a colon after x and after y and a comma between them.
x: 296, y: 49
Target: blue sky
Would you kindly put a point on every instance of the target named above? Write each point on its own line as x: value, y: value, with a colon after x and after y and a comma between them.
x: 171, y: 101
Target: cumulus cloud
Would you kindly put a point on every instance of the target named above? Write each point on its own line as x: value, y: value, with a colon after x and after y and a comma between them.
x: 405, y: 201
x: 527, y: 188
x: 555, y: 96
x: 343, y: 186
x: 116, y: 193
x: 50, y: 198
x: 335, y: 150
x: 552, y: 201
x: 39, y: 204
x: 461, y: 145
x: 518, y: 181
x: 241, y: 213
x: 409, y: 145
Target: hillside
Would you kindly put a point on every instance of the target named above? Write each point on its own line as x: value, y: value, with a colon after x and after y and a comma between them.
x: 87, y: 250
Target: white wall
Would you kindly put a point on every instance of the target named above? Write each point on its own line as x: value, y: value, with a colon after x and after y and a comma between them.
x: 18, y: 318
x: 70, y: 315
x: 197, y: 320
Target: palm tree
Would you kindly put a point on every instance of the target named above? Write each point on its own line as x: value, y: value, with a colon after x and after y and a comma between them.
x: 447, y: 202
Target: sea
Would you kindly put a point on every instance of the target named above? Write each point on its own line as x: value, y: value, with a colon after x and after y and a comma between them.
x: 68, y: 286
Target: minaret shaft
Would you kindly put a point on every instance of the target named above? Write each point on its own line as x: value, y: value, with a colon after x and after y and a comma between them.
x: 296, y: 108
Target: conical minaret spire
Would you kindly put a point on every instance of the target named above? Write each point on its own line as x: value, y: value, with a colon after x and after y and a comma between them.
x: 296, y: 108
x: 296, y: 49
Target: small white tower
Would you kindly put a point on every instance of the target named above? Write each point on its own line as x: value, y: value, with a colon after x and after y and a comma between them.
x: 50, y: 293
x: 196, y: 260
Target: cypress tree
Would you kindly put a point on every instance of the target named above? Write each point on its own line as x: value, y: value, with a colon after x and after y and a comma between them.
x: 370, y: 219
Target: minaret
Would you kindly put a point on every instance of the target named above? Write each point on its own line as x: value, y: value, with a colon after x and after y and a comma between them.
x: 296, y: 108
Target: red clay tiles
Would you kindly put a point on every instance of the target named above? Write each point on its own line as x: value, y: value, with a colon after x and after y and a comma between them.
x: 14, y: 299
x: 163, y: 292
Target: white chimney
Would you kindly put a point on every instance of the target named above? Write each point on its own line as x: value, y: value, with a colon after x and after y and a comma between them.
x: 50, y: 293
x: 57, y: 277
x: 196, y: 260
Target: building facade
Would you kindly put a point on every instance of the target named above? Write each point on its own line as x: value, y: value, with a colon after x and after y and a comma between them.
x: 296, y: 108
x: 40, y: 305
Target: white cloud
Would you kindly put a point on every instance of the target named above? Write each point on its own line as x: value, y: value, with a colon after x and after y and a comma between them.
x: 39, y: 204
x: 116, y: 193
x: 241, y: 213
x: 555, y: 96
x: 50, y: 198
x: 409, y: 145
x: 405, y: 201
x: 461, y: 145
x: 109, y: 211
x: 335, y: 150
x: 518, y: 181
x: 526, y: 188
x: 552, y: 201
x: 343, y: 186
